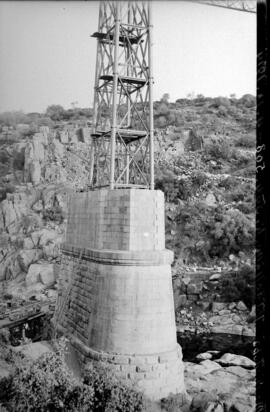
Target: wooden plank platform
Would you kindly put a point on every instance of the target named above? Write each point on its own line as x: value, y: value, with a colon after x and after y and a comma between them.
x: 125, y: 79
x: 127, y: 135
x: 124, y: 39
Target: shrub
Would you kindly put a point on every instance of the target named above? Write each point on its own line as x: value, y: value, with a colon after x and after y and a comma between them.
x: 166, y: 181
x: 239, y: 286
x: 173, y: 403
x: 205, y: 233
x: 18, y: 161
x: 241, y: 191
x: 4, y: 157
x: 220, y: 150
x: 228, y: 183
x: 47, y: 385
x: 54, y: 214
x: 220, y: 101
x: 247, y: 141
x: 198, y: 179
x: 30, y: 222
x: 230, y: 232
x: 246, y: 207
x: 109, y: 393
x: 5, y: 190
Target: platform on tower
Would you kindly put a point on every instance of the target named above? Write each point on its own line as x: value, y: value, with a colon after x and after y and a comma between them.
x: 128, y: 135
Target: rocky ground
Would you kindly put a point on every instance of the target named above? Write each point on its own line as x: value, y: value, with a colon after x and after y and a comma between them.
x: 209, y: 182
x: 224, y: 384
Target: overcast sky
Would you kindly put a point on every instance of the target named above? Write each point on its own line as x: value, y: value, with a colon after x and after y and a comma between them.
x: 48, y: 57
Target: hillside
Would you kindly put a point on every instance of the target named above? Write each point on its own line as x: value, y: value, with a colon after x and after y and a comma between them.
x: 205, y: 164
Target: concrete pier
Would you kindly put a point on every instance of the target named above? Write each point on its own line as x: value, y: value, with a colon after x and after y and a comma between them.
x: 115, y: 298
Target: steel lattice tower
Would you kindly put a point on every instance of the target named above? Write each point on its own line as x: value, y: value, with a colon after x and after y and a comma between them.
x: 122, y: 135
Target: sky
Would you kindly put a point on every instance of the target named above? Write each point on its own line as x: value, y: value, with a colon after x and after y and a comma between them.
x: 48, y: 57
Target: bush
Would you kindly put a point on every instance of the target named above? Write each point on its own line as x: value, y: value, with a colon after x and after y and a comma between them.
x: 240, y: 192
x: 5, y: 190
x: 18, y: 161
x: 228, y: 183
x: 239, y: 286
x: 4, y: 157
x: 109, y: 393
x: 247, y: 141
x: 205, y: 233
x: 30, y: 222
x: 220, y: 150
x: 246, y: 207
x: 198, y: 179
x: 54, y: 214
x: 47, y: 385
x: 230, y: 232
x: 173, y: 403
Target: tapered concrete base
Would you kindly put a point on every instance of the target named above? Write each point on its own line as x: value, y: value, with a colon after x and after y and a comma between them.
x: 115, y: 291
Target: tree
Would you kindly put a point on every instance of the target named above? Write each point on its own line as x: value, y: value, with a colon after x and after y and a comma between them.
x: 55, y: 112
x: 165, y: 98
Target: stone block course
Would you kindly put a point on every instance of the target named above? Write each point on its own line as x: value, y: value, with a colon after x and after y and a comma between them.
x: 115, y: 290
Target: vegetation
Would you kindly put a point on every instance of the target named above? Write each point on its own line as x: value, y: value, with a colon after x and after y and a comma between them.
x: 54, y: 214
x: 47, y: 385
x: 205, y: 234
x: 239, y: 286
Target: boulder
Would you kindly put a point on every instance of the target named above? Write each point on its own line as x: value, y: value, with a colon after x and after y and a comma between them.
x: 224, y: 312
x: 241, y: 307
x: 194, y: 288
x: 180, y: 300
x: 40, y: 272
x: 35, y: 172
x: 38, y: 206
x: 32, y: 276
x: 9, y: 215
x: 204, y: 305
x: 28, y: 243
x: 72, y: 136
x: 26, y: 257
x: 41, y: 137
x: 239, y: 371
x: 230, y: 359
x: 210, y: 200
x: 10, y: 268
x: 63, y: 136
x: 58, y: 149
x: 47, y: 274
x: 43, y: 236
x: 52, y: 294
x: 215, y: 276
x: 217, y: 306
x: 44, y: 129
x: 52, y: 250
x: 34, y: 158
x: 46, y: 236
x: 85, y: 134
x: 186, y: 280
x: 204, y: 356
x: 205, y: 367
x: 233, y: 391
x: 209, y: 365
